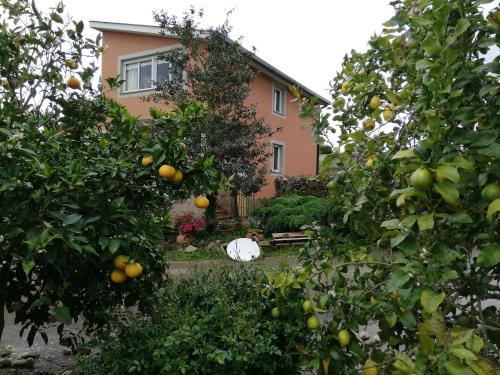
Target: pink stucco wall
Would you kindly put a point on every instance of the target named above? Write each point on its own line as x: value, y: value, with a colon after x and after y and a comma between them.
x: 300, y: 152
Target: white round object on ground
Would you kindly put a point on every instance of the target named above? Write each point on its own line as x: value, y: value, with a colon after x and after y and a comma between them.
x: 243, y: 249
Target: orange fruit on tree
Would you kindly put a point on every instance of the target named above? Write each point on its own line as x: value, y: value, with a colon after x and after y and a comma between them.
x: 167, y: 171
x: 313, y: 322
x: 121, y: 262
x: 74, y: 83
x: 369, y: 124
x: 375, y: 102
x: 344, y: 338
x: 118, y: 276
x: 307, y: 306
x: 201, y: 202
x: 275, y: 312
x: 491, y: 192
x: 133, y: 270
x: 370, y: 368
x: 146, y: 160
x: 178, y: 177
x: 421, y: 179
x: 388, y: 115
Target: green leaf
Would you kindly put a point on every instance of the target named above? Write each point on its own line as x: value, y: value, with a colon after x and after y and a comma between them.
x: 462, y: 25
x: 462, y: 353
x: 448, y: 191
x: 490, y: 255
x: 456, y: 368
x: 63, y: 315
x: 390, y: 224
x: 398, y: 279
x: 422, y: 64
x: 430, y: 301
x: 71, y: 219
x: 461, y: 218
x: 396, y: 240
x: 459, y: 335
x: 403, y: 154
x: 426, y: 222
x: 481, y: 367
x: 114, y: 244
x: 493, y: 208
x: 391, y: 319
x: 28, y: 265
x: 408, y: 320
x: 475, y: 343
x: 448, y: 172
x: 492, y: 150
x: 431, y: 46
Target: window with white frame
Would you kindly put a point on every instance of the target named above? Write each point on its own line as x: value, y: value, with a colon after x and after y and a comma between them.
x: 277, y: 158
x: 141, y: 74
x: 279, y: 96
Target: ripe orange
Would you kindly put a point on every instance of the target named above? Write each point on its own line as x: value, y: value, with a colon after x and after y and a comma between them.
x: 275, y: 312
x: 167, y: 171
x: 133, y: 270
x: 146, y: 160
x: 118, y: 276
x: 178, y: 177
x: 375, y: 102
x: 121, y: 262
x: 313, y: 322
x: 388, y: 114
x: 421, y: 179
x: 201, y: 202
x: 74, y: 83
x: 491, y: 192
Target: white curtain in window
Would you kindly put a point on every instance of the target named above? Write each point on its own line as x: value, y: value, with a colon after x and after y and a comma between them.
x: 132, y: 77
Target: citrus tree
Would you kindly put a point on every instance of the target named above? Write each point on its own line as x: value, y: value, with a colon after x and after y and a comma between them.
x: 81, y: 180
x: 415, y: 246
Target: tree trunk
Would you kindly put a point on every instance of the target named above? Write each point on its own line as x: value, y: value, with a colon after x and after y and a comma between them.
x: 211, y: 212
x: 234, y: 205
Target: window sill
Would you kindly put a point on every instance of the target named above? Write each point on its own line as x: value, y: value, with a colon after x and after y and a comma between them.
x: 274, y: 173
x: 277, y: 114
x: 124, y: 94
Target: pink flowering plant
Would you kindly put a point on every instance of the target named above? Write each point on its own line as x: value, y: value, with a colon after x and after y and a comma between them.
x: 187, y: 223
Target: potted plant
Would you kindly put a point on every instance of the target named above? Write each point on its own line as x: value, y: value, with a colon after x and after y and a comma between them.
x: 187, y: 225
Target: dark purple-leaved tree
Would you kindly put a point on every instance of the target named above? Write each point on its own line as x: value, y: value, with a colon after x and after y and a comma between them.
x: 219, y: 72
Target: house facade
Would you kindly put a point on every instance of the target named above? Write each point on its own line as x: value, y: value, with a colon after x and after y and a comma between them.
x: 131, y: 52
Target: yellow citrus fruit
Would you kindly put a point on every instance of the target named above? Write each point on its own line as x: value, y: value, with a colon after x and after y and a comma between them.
x: 369, y: 124
x: 375, y: 102
x: 275, y: 312
x: 133, y: 270
x: 370, y: 160
x: 72, y: 64
x: 146, y: 160
x: 346, y: 86
x: 201, y: 202
x: 178, y: 177
x: 167, y: 171
x: 5, y: 83
x: 307, y: 306
x: 118, y: 276
x: 370, y: 368
x: 421, y: 179
x: 121, y: 262
x: 74, y: 83
x: 313, y: 322
x: 491, y: 192
x: 344, y: 338
x: 388, y: 114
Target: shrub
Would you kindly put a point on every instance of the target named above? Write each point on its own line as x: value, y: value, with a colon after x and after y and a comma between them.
x: 186, y: 223
x: 300, y: 185
x: 217, y: 323
x: 292, y: 212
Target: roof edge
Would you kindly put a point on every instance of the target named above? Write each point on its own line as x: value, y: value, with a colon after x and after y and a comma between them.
x: 155, y: 31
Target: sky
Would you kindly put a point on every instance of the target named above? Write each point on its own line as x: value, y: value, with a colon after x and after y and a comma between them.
x: 306, y: 40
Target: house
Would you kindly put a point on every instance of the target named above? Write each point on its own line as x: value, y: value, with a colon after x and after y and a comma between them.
x: 131, y: 53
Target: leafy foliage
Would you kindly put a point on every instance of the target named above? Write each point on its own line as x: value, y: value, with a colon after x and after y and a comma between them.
x: 215, y: 323
x: 73, y: 192
x: 290, y: 213
x: 300, y: 185
x: 218, y: 72
x: 414, y: 254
